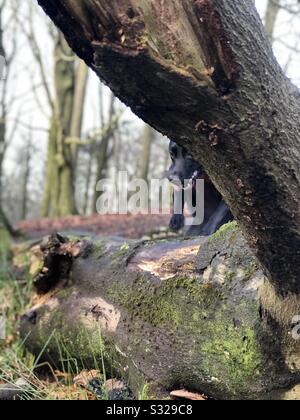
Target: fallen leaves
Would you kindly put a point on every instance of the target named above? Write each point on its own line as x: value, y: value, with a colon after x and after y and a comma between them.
x: 85, y: 377
x: 128, y: 226
x: 111, y: 389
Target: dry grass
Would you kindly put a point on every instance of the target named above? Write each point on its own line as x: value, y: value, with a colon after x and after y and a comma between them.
x: 44, y: 382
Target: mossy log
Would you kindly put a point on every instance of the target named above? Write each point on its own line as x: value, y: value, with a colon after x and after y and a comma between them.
x: 165, y: 313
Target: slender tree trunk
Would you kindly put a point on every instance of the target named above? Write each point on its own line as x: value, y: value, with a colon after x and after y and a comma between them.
x: 5, y: 224
x: 50, y: 200
x: 88, y: 178
x: 4, y: 221
x: 102, y: 152
x: 1, y: 165
x: 59, y: 197
x: 65, y: 88
x: 3, y: 108
x: 65, y: 131
x: 101, y: 165
x: 272, y: 12
x: 3, y: 115
x: 203, y: 73
x: 146, y: 153
x: 81, y: 80
x: 26, y: 180
x: 66, y: 202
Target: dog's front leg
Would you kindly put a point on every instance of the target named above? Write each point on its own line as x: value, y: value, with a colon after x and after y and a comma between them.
x: 177, y: 221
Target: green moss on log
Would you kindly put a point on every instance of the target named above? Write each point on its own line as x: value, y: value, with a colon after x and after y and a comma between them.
x: 162, y: 305
x: 205, y: 332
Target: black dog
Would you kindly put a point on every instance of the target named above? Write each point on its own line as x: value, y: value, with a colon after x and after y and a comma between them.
x: 216, y: 211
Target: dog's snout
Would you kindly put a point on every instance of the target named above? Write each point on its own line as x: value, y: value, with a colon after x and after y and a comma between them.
x: 170, y: 175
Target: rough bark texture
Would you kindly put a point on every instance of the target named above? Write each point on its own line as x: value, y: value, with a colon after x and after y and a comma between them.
x: 162, y: 313
x: 203, y: 72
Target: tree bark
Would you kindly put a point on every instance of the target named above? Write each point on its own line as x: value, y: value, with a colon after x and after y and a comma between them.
x: 50, y: 199
x: 71, y: 77
x: 102, y: 154
x: 81, y: 81
x: 203, y: 73
x: 146, y: 153
x: 88, y: 177
x: 165, y: 314
x: 59, y: 197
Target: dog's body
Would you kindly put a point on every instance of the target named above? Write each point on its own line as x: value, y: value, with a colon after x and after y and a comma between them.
x: 216, y: 211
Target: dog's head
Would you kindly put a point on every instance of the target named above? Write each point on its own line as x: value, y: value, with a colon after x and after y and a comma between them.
x: 184, y: 170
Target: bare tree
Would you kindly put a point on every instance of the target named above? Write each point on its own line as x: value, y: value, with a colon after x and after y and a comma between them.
x: 8, y: 55
x: 66, y: 102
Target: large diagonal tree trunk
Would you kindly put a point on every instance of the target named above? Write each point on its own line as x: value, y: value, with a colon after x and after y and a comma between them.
x: 203, y: 72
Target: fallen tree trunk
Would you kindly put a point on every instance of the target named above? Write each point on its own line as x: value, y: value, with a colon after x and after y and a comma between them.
x: 166, y: 314
x: 203, y: 73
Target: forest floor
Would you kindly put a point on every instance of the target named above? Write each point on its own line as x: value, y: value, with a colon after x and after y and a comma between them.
x: 127, y: 226
x: 44, y: 381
